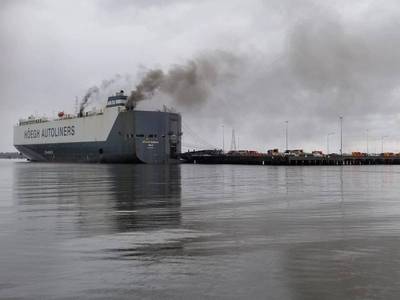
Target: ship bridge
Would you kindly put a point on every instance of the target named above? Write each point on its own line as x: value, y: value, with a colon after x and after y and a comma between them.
x: 118, y: 100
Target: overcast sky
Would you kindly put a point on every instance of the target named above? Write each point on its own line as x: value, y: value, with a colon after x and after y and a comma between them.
x: 300, y: 61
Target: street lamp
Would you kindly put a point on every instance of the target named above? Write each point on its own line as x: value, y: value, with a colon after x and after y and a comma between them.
x: 341, y: 135
x: 223, y: 139
x: 287, y: 135
x: 383, y: 137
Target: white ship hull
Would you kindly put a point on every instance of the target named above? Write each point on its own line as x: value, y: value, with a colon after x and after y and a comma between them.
x: 117, y: 136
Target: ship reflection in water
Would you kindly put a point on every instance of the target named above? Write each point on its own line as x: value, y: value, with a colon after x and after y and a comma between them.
x: 198, y: 231
x: 102, y: 198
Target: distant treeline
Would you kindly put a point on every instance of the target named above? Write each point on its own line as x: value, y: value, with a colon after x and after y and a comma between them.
x: 11, y: 155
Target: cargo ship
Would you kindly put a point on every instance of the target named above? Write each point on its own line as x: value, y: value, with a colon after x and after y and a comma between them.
x: 118, y: 133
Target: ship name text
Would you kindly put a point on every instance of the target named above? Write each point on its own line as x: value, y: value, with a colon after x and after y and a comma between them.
x: 49, y: 132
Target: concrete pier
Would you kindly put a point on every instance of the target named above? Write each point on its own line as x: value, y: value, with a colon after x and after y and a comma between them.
x: 306, y: 160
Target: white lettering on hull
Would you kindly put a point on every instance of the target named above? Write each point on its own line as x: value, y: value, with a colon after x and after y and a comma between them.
x: 88, y: 129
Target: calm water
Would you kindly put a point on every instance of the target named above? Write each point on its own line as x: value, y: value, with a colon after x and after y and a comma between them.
x: 76, y: 231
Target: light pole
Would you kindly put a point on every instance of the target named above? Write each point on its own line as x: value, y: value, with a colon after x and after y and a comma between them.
x: 327, y: 141
x: 383, y: 137
x: 223, y: 139
x: 287, y: 135
x: 367, y: 142
x: 341, y: 135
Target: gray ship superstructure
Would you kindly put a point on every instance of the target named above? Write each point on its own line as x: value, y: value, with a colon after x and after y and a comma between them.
x: 115, y: 134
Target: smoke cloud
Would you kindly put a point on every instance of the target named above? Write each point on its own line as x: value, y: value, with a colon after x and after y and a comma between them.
x: 328, y: 66
x: 190, y: 83
x: 85, y: 100
x: 94, y: 92
x: 146, y: 88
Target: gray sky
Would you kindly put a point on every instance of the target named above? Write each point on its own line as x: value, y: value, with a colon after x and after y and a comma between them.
x: 301, y: 61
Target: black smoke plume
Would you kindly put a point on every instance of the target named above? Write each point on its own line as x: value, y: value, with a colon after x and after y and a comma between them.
x: 95, y: 90
x: 146, y: 88
x: 190, y: 83
x: 90, y: 92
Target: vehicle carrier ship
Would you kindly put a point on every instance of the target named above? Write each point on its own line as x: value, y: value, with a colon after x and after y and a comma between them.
x: 116, y: 134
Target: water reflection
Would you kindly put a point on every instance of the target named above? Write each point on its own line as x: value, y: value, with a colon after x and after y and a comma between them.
x: 146, y: 197
x: 99, y: 199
